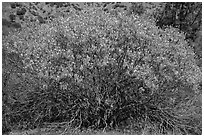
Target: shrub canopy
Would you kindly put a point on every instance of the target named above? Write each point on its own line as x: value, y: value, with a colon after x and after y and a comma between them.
x: 76, y: 45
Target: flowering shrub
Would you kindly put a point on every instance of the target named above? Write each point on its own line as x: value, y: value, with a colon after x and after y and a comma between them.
x: 102, y: 69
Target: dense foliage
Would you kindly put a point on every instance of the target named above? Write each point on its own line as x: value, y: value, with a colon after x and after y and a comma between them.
x: 187, y: 17
x: 100, y: 70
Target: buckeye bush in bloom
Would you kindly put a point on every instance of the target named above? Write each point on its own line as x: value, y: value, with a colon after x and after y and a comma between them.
x: 121, y: 67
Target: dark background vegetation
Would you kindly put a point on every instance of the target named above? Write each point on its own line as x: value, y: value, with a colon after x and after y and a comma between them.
x: 187, y: 17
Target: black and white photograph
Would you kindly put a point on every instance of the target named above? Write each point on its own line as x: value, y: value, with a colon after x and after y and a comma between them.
x: 101, y: 68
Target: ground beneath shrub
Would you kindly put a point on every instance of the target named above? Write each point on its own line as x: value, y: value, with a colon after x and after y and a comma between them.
x: 71, y: 131
x: 55, y: 129
x: 45, y: 131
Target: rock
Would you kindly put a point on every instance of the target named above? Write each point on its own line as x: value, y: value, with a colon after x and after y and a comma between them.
x: 12, y: 17
x: 21, y: 11
x: 15, y: 5
x: 41, y: 20
x: 10, y: 24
